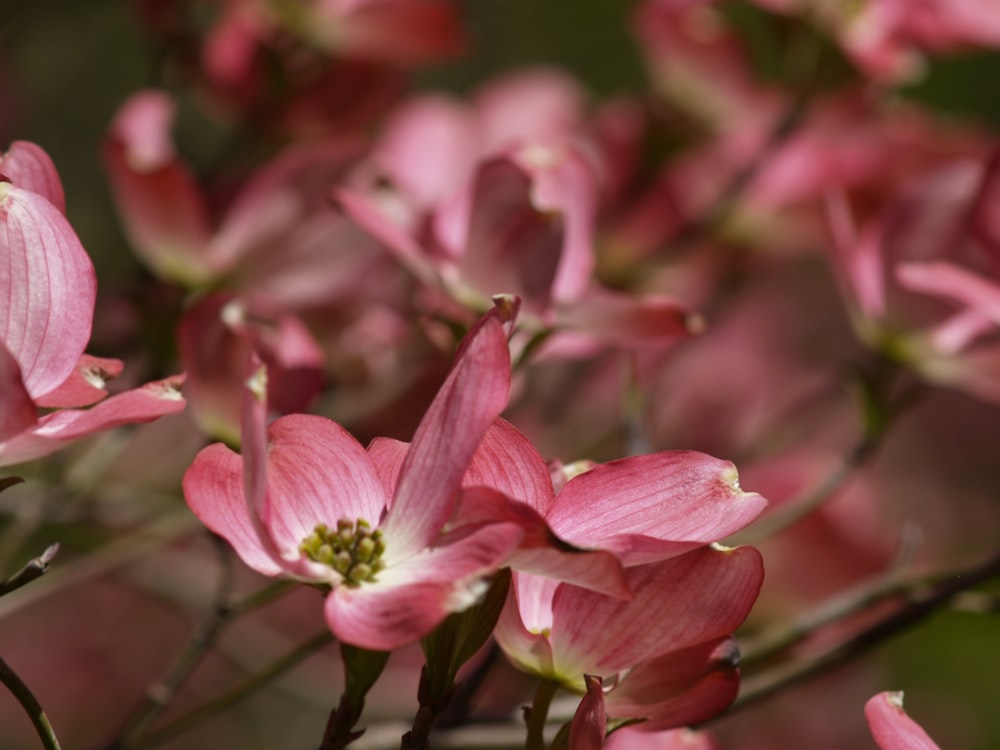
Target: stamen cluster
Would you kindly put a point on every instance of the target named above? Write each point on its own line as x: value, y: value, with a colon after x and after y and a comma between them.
x: 352, y: 549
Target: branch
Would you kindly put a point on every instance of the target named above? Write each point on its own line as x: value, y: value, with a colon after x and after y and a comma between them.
x: 919, y: 606
x: 30, y: 704
x: 34, y: 568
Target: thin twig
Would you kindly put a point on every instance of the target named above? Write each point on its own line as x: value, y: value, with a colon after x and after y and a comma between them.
x: 919, y: 606
x: 30, y: 704
x: 33, y: 569
x: 234, y: 695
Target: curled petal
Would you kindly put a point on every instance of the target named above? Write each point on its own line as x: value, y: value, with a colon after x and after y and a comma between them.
x: 681, y: 687
x: 586, y: 732
x: 30, y: 168
x: 47, y: 289
x: 55, y: 430
x: 892, y: 728
x: 645, y: 508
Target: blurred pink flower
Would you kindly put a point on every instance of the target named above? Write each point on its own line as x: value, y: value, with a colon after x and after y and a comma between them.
x: 47, y: 293
x: 307, y: 501
x: 892, y: 728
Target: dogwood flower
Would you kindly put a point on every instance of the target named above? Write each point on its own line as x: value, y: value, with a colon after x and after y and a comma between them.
x: 306, y: 500
x: 892, y: 728
x: 47, y: 293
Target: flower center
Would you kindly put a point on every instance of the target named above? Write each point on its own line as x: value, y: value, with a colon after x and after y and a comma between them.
x: 351, y: 548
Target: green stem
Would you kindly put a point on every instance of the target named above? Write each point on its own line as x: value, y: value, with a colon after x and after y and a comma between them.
x: 538, y: 714
x: 30, y: 704
x: 234, y: 695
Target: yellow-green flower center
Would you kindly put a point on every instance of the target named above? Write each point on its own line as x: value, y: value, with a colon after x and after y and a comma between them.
x: 351, y: 548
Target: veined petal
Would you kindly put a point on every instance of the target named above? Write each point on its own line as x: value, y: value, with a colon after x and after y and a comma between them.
x: 589, y: 722
x: 47, y: 289
x: 143, y: 404
x: 507, y: 462
x: 680, y: 687
x: 388, y: 454
x: 213, y: 488
x: 316, y: 473
x: 473, y: 395
x: 668, y: 500
x: 699, y: 596
x: 17, y: 410
x: 410, y: 599
x: 28, y: 166
x: 892, y: 728
x: 541, y: 552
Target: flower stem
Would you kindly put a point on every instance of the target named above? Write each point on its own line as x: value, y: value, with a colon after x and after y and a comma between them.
x: 538, y: 714
x: 30, y: 704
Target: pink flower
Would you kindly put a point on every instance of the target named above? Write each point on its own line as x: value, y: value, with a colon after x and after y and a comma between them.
x: 307, y: 501
x: 935, y: 242
x: 665, y: 656
x: 47, y: 292
x: 892, y: 728
x: 501, y: 197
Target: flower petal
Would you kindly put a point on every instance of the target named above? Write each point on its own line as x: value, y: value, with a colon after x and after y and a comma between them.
x: 316, y: 473
x: 473, y: 395
x: 589, y: 722
x: 680, y: 687
x: 28, y: 166
x: 17, y: 410
x: 699, y: 596
x: 213, y: 488
x: 85, y: 385
x: 411, y: 599
x: 47, y: 289
x: 892, y: 728
x: 651, y: 507
x: 507, y: 462
x: 55, y: 430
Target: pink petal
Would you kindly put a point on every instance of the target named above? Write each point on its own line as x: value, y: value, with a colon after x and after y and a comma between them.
x: 512, y: 246
x: 17, y: 410
x: 507, y: 462
x: 892, y: 728
x: 316, y: 473
x: 365, y: 212
x: 473, y: 395
x: 213, y: 488
x: 541, y: 552
x: 589, y: 722
x: 526, y: 615
x: 387, y: 618
x: 953, y: 282
x: 86, y: 385
x: 680, y: 602
x: 401, y: 31
x: 47, y: 289
x: 681, y: 687
x: 857, y: 259
x: 410, y: 599
x: 158, y: 198
x: 55, y: 430
x: 428, y: 149
x: 649, y: 507
x: 30, y: 168
x: 388, y: 455
x: 634, y: 738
